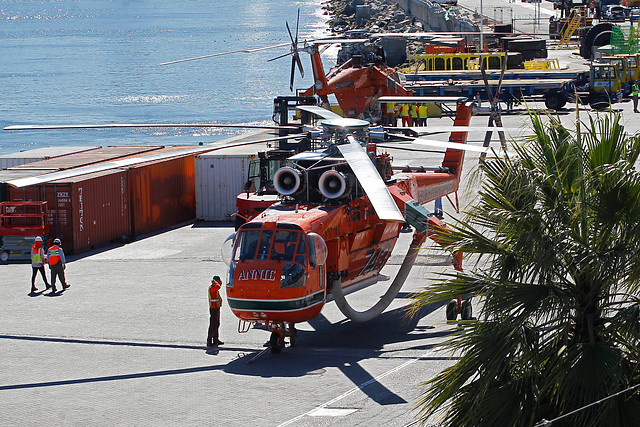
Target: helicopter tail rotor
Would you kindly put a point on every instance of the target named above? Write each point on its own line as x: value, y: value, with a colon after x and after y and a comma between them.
x: 295, y: 59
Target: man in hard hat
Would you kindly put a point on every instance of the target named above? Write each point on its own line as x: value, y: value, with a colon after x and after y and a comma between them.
x: 38, y: 259
x: 57, y: 264
x: 215, y: 302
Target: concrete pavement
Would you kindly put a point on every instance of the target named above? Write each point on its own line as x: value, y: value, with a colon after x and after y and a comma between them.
x: 125, y: 344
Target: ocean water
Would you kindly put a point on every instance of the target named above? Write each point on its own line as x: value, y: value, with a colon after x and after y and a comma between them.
x: 97, y: 61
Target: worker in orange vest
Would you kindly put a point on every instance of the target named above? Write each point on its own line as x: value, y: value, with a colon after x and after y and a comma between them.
x: 57, y: 265
x: 38, y: 259
x: 404, y: 114
x: 215, y: 302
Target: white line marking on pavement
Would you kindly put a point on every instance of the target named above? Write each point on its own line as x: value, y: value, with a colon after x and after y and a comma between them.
x: 331, y: 412
x: 360, y: 387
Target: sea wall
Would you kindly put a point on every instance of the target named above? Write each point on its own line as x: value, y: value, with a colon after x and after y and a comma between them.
x: 435, y: 17
x: 397, y: 16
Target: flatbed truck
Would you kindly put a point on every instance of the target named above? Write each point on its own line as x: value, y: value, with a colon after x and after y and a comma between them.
x: 598, y: 86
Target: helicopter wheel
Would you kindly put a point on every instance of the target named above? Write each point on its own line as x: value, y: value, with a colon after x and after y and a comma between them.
x: 466, y: 312
x: 452, y: 310
x: 292, y: 334
x: 275, y: 342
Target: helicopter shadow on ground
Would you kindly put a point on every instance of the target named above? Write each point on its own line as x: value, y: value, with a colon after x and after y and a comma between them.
x: 343, y: 346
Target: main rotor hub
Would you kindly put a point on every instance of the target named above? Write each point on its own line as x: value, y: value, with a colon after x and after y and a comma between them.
x: 336, y: 130
x: 346, y: 124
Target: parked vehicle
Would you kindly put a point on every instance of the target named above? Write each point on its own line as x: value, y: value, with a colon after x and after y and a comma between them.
x: 615, y: 13
x: 599, y: 86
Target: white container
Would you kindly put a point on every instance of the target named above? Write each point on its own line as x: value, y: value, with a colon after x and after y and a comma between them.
x: 37, y: 154
x: 219, y: 180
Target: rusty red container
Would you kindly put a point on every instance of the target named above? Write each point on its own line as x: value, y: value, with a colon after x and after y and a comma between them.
x: 87, y: 211
x: 162, y: 193
x: 87, y: 157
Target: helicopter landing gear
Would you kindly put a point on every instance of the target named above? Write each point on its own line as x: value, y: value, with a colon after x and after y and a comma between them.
x: 452, y: 310
x: 278, y: 334
x: 292, y: 334
x: 456, y: 306
x: 276, y: 342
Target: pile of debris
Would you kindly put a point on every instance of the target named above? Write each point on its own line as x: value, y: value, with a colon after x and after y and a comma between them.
x: 374, y: 16
x: 385, y: 16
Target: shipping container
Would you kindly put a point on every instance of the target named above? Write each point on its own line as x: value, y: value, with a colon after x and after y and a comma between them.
x: 219, y: 178
x: 162, y: 194
x: 85, y: 212
x: 38, y: 154
x: 87, y: 158
x: 7, y: 175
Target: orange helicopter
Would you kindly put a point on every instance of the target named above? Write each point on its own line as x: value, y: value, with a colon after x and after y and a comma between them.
x: 339, y: 215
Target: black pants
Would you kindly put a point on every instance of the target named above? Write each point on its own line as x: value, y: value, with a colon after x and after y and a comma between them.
x: 214, y: 324
x: 34, y: 273
x: 57, y: 270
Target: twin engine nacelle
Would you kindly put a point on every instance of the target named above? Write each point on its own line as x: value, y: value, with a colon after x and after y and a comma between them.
x: 332, y: 184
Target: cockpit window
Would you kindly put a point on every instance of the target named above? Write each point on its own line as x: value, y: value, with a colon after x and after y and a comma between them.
x: 284, y: 245
x: 278, y: 245
x: 247, y: 245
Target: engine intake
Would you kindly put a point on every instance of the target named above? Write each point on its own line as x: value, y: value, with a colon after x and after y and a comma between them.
x: 333, y: 184
x: 287, y: 181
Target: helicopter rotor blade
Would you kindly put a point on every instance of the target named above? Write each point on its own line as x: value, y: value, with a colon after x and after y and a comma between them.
x: 293, y: 72
x: 319, y: 111
x: 446, y: 144
x: 370, y: 180
x: 124, y: 162
x: 297, y: 25
x: 293, y: 41
x: 280, y: 56
x: 143, y: 125
x: 427, y: 130
x: 296, y: 56
x: 249, y: 50
x: 295, y: 60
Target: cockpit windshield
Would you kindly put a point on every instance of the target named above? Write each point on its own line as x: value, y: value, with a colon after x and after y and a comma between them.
x: 277, y: 245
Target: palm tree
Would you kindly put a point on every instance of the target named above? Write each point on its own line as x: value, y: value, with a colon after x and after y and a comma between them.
x: 556, y: 236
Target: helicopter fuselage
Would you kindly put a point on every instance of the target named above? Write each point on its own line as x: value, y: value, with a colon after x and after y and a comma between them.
x: 282, y: 259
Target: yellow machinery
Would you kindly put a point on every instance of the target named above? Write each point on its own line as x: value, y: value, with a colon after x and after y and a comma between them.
x: 542, y: 64
x: 574, y: 22
x: 622, y: 63
x: 454, y: 61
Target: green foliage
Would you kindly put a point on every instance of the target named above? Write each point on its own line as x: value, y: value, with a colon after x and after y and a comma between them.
x: 556, y: 231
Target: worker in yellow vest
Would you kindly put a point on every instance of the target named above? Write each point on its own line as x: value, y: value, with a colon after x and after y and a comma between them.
x: 38, y: 259
x: 414, y: 114
x: 215, y: 302
x: 423, y: 113
x: 390, y: 116
x: 404, y: 115
x: 57, y: 265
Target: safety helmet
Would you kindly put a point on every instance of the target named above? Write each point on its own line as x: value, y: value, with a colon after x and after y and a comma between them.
x: 38, y: 239
x: 57, y: 242
x: 217, y: 278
